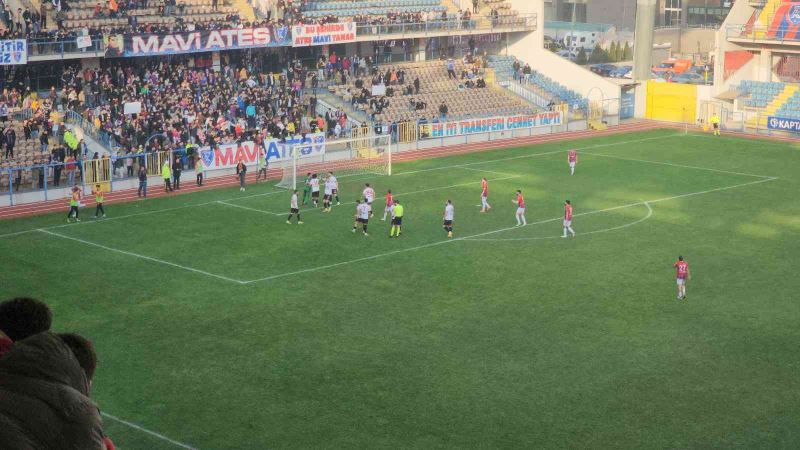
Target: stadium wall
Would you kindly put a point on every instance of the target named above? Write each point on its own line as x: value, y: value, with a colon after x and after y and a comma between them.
x: 671, y: 102
x: 739, y: 14
x: 530, y: 47
x: 577, y: 78
x: 525, y: 45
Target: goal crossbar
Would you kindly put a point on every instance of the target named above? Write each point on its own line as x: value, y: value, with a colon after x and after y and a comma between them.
x: 345, y: 157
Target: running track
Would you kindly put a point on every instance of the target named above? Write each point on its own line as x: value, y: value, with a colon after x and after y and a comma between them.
x: 155, y: 191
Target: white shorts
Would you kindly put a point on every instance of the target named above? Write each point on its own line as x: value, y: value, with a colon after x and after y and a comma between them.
x: 572, y: 165
x: 520, y: 210
x: 681, y: 281
x: 484, y: 197
x: 567, y: 223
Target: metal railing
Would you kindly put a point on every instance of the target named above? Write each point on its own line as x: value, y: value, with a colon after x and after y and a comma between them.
x: 527, y: 21
x: 757, y: 33
x: 63, y: 47
x: 68, y: 48
x: 102, y: 137
x: 54, y: 180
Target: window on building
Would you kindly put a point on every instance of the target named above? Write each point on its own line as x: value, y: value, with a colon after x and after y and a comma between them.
x: 701, y: 15
x: 565, y: 12
x: 672, y: 12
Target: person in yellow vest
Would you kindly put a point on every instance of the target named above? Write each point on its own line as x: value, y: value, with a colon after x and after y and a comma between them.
x: 166, y: 173
x: 715, y: 124
x: 99, y: 198
x: 74, y: 202
x: 397, y: 219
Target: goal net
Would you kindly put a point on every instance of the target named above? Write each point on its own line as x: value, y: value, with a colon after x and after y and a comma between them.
x: 345, y: 157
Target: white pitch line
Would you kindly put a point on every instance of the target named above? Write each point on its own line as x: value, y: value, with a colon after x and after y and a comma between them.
x: 487, y: 233
x: 534, y: 155
x: 396, y: 195
x: 151, y: 433
x: 412, y: 172
x: 233, y: 205
x: 485, y: 171
x: 136, y: 255
x: 145, y: 213
x: 682, y: 166
x: 732, y: 138
x: 605, y: 230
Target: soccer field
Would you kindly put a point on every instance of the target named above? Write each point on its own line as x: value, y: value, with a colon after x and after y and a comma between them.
x: 219, y: 326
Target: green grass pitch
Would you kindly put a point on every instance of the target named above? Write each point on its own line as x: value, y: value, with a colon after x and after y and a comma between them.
x: 219, y: 326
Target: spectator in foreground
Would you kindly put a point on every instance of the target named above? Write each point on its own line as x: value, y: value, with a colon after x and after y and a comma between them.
x: 46, y: 381
x: 23, y: 317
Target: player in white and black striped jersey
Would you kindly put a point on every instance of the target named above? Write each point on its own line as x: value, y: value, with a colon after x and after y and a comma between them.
x: 294, y: 209
x: 362, y: 216
x: 369, y: 196
x: 449, y: 215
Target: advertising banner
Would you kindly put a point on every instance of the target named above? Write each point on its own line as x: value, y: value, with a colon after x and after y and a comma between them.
x: 227, y: 156
x: 195, y: 41
x: 329, y: 33
x: 13, y: 52
x: 492, y: 124
x: 781, y: 124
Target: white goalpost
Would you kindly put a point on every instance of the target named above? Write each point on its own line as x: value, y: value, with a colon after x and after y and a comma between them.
x: 345, y: 157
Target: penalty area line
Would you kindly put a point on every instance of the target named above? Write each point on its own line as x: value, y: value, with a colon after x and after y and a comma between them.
x: 604, y: 230
x: 412, y: 172
x: 304, y: 210
x: 682, y: 166
x: 501, y: 230
x: 136, y: 255
x: 247, y: 208
x: 150, y: 432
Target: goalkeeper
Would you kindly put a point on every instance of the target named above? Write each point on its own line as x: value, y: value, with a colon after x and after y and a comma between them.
x: 306, y: 188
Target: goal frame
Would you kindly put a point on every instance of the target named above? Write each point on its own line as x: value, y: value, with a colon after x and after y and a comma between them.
x: 335, y: 156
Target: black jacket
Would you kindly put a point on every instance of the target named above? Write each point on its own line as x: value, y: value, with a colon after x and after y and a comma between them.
x: 44, y: 399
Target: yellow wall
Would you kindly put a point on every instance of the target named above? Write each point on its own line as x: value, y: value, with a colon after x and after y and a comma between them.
x: 671, y: 102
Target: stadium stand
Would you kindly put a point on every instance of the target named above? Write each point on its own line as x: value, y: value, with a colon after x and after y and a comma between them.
x: 509, y: 67
x: 341, y: 9
x: 90, y: 14
x: 436, y: 88
x: 770, y: 99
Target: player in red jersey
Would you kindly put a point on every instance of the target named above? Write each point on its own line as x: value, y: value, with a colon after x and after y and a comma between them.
x: 568, y: 219
x: 572, y: 158
x: 682, y: 274
x: 485, y: 196
x: 389, y: 205
x: 520, y: 201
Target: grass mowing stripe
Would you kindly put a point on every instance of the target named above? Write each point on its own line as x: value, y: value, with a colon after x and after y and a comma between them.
x: 683, y: 166
x: 501, y: 230
x: 510, y: 177
x: 233, y: 205
x: 629, y: 205
x: 150, y: 432
x: 136, y: 255
x: 632, y: 141
x: 604, y: 230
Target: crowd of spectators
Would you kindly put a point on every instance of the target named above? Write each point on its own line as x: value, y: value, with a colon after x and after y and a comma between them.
x: 184, y: 106
x: 46, y: 383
